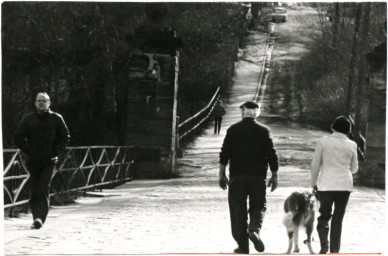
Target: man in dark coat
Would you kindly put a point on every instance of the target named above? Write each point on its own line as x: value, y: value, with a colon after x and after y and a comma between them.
x: 42, y: 136
x: 249, y: 149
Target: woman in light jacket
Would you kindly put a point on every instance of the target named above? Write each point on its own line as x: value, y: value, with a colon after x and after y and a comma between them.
x: 334, y: 162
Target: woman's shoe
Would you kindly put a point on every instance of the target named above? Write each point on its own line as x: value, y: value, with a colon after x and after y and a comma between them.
x: 241, y: 251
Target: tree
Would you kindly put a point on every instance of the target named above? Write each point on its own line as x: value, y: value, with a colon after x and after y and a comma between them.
x: 362, y: 70
x: 78, y: 53
x: 336, y: 24
x: 353, y: 60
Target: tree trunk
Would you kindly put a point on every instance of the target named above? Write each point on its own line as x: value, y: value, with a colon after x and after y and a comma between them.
x: 353, y: 60
x: 255, y: 9
x: 336, y: 24
x: 361, y: 74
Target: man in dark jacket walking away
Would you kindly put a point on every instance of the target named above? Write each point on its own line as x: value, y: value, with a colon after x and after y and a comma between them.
x: 218, y: 113
x: 42, y: 136
x: 249, y: 149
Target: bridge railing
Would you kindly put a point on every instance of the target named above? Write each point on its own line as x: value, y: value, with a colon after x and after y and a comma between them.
x: 360, y: 140
x: 82, y: 168
x: 266, y: 63
x: 192, y: 123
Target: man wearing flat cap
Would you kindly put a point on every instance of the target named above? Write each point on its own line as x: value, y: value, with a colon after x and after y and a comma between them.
x: 248, y: 148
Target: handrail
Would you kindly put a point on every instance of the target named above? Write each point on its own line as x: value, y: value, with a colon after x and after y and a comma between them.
x: 199, y: 123
x: 201, y: 111
x: 256, y: 95
x: 86, y: 147
x: 82, y: 168
x: 360, y: 140
x: 206, y: 111
x: 259, y: 98
x: 351, y: 120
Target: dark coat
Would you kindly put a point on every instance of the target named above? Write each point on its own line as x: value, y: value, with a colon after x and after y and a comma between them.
x: 249, y: 149
x: 42, y: 137
x: 219, y: 110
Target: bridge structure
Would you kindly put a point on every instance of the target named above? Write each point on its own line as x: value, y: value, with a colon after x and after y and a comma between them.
x: 189, y: 214
x: 154, y: 130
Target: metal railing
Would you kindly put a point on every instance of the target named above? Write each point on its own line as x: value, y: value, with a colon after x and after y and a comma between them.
x: 193, y: 122
x: 359, y: 139
x: 261, y: 85
x: 82, y: 168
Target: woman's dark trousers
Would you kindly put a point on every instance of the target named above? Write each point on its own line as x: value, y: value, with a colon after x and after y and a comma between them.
x: 217, y: 125
x: 40, y: 188
x: 327, y: 199
x: 240, y: 189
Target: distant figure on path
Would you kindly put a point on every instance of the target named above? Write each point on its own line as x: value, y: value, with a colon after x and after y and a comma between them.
x: 218, y: 113
x: 42, y: 136
x: 248, y: 148
x: 334, y: 161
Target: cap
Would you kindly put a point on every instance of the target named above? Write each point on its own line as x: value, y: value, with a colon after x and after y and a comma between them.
x: 250, y: 104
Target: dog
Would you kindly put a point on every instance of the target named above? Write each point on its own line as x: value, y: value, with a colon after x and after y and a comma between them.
x: 299, y: 210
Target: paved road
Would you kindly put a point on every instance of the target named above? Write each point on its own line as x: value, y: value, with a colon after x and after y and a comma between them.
x: 190, y: 214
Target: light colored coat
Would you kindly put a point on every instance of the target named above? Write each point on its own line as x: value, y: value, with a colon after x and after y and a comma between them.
x: 334, y: 162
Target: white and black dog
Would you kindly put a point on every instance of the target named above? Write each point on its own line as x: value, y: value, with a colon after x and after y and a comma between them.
x: 299, y: 210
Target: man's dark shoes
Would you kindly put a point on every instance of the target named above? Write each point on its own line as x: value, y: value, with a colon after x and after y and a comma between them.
x: 37, y: 223
x: 241, y: 251
x: 259, y: 245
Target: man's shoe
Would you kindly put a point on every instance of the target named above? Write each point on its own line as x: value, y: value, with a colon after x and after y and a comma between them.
x: 259, y: 245
x: 241, y: 251
x: 37, y: 223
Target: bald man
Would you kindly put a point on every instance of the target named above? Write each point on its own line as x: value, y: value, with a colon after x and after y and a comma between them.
x: 43, y: 136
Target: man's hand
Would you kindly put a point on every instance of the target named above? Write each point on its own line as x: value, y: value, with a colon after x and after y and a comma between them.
x: 223, y: 181
x: 62, y: 157
x: 273, y: 181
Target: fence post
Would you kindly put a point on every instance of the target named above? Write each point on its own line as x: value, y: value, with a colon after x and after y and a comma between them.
x: 174, y: 115
x: 16, y: 172
x: 179, y: 152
